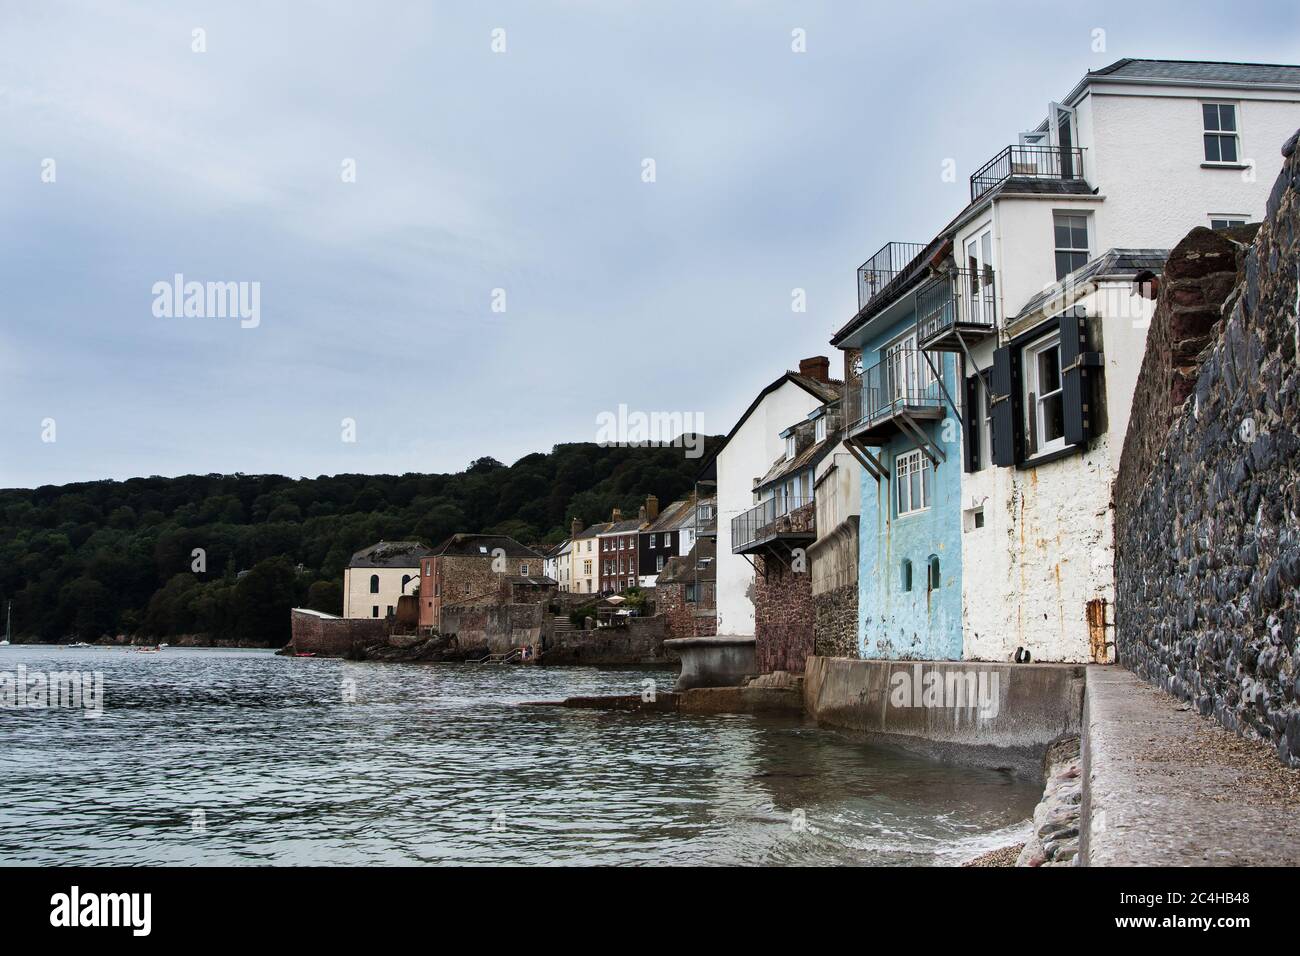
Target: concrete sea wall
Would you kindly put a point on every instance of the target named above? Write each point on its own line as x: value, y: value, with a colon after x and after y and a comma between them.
x: 977, y: 713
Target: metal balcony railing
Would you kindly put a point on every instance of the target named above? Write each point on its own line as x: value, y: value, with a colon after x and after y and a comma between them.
x: 884, y: 267
x: 1034, y: 162
x: 903, y: 379
x: 963, y: 298
x: 771, y: 518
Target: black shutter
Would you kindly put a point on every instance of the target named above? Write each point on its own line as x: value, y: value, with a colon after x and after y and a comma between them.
x: 1075, y: 385
x: 972, y: 425
x: 1003, y: 394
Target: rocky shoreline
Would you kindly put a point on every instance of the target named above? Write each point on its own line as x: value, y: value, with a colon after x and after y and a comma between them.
x: 1055, y: 841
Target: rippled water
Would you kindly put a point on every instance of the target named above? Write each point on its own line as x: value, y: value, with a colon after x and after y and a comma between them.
x: 439, y: 764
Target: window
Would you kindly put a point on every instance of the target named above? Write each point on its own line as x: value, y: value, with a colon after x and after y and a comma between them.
x: 659, y: 562
x: 932, y: 573
x: 653, y: 539
x: 374, y: 611
x: 789, y: 447
x: 1220, y: 120
x: 586, y: 568
x: 690, y: 593
x: 406, y: 579
x: 1218, y: 223
x: 374, y: 584
x: 820, y: 429
x: 978, y: 517
x: 1043, y: 396
x: 390, y: 611
x: 523, y: 570
x: 1071, y: 230
x: 906, y: 579
x: 912, y: 477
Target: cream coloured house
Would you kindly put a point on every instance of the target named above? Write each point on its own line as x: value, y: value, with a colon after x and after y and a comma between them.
x: 378, y: 575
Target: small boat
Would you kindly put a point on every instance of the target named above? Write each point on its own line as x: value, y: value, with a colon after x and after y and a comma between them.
x: 79, y: 644
x: 305, y: 654
x: 161, y: 646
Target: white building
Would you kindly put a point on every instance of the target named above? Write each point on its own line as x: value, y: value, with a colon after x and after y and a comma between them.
x: 558, y: 564
x: 1030, y: 295
x: 378, y: 575
x: 746, y: 454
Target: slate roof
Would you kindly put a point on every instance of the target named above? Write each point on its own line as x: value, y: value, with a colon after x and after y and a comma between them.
x: 676, y: 515
x: 483, y: 544
x: 598, y: 528
x: 825, y: 391
x: 1202, y: 71
x: 625, y: 526
x: 390, y: 554
x: 805, y: 459
x: 1113, y: 262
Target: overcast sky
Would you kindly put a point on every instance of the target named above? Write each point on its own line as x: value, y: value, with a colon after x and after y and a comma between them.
x: 478, y: 170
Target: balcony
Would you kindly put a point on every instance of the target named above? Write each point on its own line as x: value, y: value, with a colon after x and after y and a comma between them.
x: 1028, y: 162
x: 875, y: 275
x: 778, y: 520
x: 895, y: 393
x: 955, y: 309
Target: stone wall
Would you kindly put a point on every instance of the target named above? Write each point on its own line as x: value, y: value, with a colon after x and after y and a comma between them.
x: 495, y: 628
x: 835, y: 622
x: 684, y: 618
x: 1208, y: 494
x: 313, y: 633
x: 783, y: 616
x: 640, y: 642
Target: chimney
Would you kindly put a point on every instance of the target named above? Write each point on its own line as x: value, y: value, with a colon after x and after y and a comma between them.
x: 641, y: 515
x: 575, y: 529
x: 818, y: 367
x: 651, y: 507
x: 616, y: 515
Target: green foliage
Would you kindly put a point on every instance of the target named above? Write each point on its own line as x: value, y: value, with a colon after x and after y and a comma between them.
x: 108, y: 557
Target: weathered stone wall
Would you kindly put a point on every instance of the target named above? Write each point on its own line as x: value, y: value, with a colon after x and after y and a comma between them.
x: 498, y: 628
x: 332, y: 636
x: 640, y: 642
x: 1208, y: 543
x: 684, y: 618
x: 783, y: 616
x: 835, y: 622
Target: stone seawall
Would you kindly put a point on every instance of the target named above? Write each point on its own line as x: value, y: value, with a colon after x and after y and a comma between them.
x: 326, y: 636
x: 1208, y: 493
x: 640, y: 642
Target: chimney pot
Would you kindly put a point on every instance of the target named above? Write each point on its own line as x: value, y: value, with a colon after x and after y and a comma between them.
x: 651, y: 507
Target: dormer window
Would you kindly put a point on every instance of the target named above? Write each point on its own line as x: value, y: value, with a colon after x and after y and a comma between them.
x: 789, y: 447
x: 819, y: 429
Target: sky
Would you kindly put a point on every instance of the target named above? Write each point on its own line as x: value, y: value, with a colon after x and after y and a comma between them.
x: 448, y: 217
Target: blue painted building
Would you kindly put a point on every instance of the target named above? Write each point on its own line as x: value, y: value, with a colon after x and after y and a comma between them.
x: 904, y: 424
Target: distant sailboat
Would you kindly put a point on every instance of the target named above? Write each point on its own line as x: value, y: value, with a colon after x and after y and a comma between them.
x: 9, y: 624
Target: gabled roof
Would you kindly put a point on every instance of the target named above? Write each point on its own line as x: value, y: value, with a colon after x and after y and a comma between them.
x: 623, y: 527
x: 482, y: 545
x: 679, y: 569
x: 598, y: 528
x: 390, y: 554
x: 677, y: 515
x: 822, y: 391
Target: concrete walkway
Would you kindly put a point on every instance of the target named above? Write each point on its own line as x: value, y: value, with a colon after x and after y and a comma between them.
x: 1167, y: 787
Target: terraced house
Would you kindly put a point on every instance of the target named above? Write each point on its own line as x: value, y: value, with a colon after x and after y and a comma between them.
x: 990, y: 370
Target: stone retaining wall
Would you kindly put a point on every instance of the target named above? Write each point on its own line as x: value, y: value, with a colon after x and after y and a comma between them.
x: 312, y: 633
x: 1208, y: 493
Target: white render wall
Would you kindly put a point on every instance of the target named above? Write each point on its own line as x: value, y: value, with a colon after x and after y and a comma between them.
x: 1145, y: 153
x: 357, y: 599
x: 748, y: 456
x: 1047, y: 548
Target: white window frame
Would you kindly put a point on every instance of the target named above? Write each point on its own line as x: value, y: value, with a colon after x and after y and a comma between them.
x: 1029, y: 362
x: 523, y: 570
x: 1087, y: 238
x: 905, y: 465
x: 789, y: 447
x: 819, y: 429
x: 1231, y: 218
x: 986, y: 416
x: 1235, y: 132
